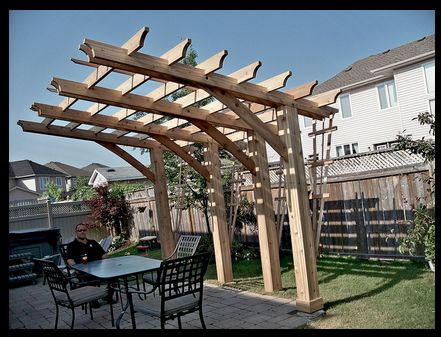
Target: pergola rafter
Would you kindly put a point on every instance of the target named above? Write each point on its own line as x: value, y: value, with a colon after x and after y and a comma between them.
x: 241, y: 114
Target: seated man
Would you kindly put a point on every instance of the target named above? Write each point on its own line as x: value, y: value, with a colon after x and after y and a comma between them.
x: 83, y: 250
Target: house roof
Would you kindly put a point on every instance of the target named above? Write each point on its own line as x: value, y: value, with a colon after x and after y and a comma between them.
x: 120, y: 173
x: 91, y: 167
x: 71, y: 171
x: 361, y: 69
x: 24, y: 168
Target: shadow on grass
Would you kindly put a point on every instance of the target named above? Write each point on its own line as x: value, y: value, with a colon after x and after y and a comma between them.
x: 390, y: 274
x: 381, y: 276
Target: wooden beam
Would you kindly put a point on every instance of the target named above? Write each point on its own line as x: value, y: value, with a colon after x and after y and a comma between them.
x: 173, y: 55
x: 303, y: 243
x: 105, y: 54
x: 325, y: 98
x: 209, y: 65
x: 221, y: 239
x: 84, y: 117
x: 244, y: 74
x: 268, y: 237
x: 63, y: 131
x: 302, y: 90
x: 226, y: 144
x: 130, y: 159
x: 184, y: 155
x: 252, y: 120
x: 141, y: 103
x: 168, y: 241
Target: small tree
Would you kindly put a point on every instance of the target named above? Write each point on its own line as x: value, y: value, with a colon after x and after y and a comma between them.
x: 53, y: 192
x: 82, y: 191
x: 422, y: 235
x: 109, y: 209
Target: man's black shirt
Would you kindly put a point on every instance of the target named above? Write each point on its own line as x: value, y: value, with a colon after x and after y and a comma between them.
x: 92, y: 248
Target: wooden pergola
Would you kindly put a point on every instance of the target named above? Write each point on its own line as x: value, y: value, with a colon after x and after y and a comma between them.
x: 241, y: 114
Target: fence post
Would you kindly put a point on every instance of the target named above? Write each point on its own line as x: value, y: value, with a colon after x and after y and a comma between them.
x: 49, y: 213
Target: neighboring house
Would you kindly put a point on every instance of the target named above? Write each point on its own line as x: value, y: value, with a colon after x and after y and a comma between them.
x: 72, y: 173
x: 91, y: 167
x: 27, y: 179
x: 106, y: 176
x: 381, y: 94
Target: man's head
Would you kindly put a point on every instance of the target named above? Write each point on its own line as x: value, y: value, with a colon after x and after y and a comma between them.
x: 81, y: 230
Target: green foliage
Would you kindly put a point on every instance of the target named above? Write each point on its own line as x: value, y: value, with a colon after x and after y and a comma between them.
x: 240, y: 251
x: 422, y: 235
x: 82, y: 191
x: 53, y: 192
x: 246, y: 215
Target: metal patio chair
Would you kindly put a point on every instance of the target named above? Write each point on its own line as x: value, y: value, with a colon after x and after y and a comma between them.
x: 65, y: 296
x: 186, y: 246
x: 106, y: 243
x: 180, y: 285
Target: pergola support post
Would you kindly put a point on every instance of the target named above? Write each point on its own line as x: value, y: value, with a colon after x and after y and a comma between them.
x: 302, y: 240
x: 268, y: 239
x: 166, y: 236
x: 221, y: 238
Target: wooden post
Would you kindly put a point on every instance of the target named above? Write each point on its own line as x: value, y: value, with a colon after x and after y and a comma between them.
x: 166, y: 236
x: 221, y: 240
x: 268, y: 240
x: 50, y: 220
x: 303, y: 243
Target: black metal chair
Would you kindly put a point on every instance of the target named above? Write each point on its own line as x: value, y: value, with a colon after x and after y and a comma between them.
x: 75, y: 279
x: 65, y: 296
x: 180, y: 285
x: 186, y: 246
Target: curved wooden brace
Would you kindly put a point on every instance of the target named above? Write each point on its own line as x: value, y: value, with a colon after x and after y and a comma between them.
x: 130, y: 159
x: 302, y: 90
x: 184, y: 155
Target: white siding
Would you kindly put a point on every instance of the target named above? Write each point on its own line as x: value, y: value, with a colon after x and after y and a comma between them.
x: 27, y: 183
x: 413, y: 99
x: 369, y: 125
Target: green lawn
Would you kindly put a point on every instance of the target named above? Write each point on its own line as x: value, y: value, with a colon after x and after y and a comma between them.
x: 357, y: 293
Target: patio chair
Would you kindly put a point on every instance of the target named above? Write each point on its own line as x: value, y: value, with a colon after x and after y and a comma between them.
x: 58, y: 260
x: 106, y: 243
x: 70, y: 298
x: 72, y: 275
x: 180, y: 284
x: 186, y: 246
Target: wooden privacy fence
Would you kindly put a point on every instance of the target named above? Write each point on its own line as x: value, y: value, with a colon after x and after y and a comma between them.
x: 366, y: 213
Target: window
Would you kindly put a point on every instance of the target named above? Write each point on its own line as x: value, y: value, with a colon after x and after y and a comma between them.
x: 307, y: 122
x: 59, y: 181
x: 346, y: 149
x: 387, y: 95
x: 429, y: 75
x: 42, y: 181
x: 432, y: 106
x: 386, y: 145
x: 345, y: 106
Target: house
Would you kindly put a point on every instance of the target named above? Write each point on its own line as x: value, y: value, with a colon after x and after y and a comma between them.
x: 72, y: 173
x: 91, y: 167
x: 108, y: 175
x: 380, y: 96
x: 27, y: 179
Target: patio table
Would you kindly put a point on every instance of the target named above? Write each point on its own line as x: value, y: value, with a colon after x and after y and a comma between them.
x: 120, y: 267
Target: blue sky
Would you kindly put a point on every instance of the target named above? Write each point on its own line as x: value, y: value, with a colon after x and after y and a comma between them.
x: 313, y: 44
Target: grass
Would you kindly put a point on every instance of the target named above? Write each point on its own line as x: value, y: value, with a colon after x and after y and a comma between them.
x: 356, y: 293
